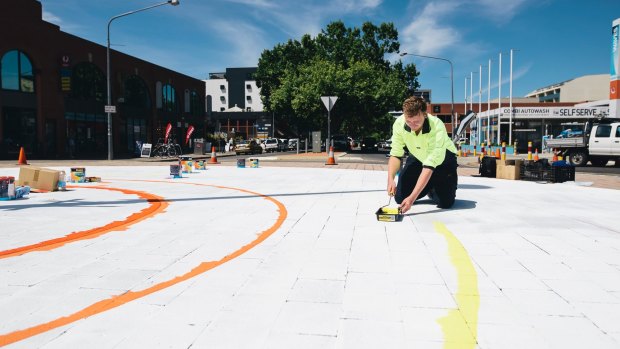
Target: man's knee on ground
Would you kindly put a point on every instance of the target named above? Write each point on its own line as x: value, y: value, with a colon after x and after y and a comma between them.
x: 446, y: 202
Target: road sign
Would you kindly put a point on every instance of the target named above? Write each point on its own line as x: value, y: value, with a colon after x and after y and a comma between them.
x: 329, y: 101
x: 110, y: 109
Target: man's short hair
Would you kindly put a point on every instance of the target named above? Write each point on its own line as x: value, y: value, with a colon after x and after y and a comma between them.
x: 413, y: 105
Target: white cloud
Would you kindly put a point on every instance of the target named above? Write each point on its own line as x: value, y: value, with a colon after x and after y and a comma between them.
x: 255, y: 3
x: 499, y: 11
x: 357, y: 5
x: 425, y: 35
x: 245, y: 41
x: 52, y: 18
x: 517, y: 74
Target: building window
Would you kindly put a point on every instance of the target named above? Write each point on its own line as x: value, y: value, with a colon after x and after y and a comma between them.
x: 222, y: 109
x: 88, y: 83
x: 436, y: 109
x: 169, y: 100
x: 248, y: 87
x: 136, y: 94
x: 248, y: 98
x: 223, y: 88
x: 17, y: 73
x: 195, y: 105
x: 248, y: 109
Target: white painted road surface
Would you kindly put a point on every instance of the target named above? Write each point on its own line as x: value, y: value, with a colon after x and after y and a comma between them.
x: 277, y: 257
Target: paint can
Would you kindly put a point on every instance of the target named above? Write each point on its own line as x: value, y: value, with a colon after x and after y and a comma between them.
x: 175, y: 171
x: 78, y: 174
x: 186, y: 163
x: 240, y: 163
x: 199, y: 165
x: 254, y: 163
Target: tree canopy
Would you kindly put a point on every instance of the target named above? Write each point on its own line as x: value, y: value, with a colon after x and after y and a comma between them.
x: 346, y: 62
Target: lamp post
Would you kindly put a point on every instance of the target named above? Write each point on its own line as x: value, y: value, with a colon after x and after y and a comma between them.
x: 451, y: 82
x: 109, y: 90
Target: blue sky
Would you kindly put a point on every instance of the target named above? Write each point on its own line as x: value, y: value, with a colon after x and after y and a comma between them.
x: 554, y: 40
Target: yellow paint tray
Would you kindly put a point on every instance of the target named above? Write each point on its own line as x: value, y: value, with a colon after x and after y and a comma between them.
x: 389, y: 214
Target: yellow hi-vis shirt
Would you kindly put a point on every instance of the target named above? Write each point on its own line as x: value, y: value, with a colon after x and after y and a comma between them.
x: 429, y: 147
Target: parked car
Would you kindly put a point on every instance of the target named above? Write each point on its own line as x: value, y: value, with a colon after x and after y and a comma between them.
x: 385, y: 146
x: 248, y: 147
x: 282, y: 144
x: 369, y: 145
x: 270, y: 145
x: 292, y: 144
x: 341, y: 142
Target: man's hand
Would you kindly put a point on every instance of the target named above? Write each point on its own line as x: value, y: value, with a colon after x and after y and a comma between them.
x: 406, y: 204
x: 391, y: 187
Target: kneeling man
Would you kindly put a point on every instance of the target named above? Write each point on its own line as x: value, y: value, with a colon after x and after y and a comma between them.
x: 430, y: 168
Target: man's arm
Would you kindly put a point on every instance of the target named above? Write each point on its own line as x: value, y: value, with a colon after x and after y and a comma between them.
x: 393, y: 168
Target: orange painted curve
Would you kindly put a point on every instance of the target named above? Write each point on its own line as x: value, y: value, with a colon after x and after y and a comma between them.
x: 157, y: 204
x: 118, y: 300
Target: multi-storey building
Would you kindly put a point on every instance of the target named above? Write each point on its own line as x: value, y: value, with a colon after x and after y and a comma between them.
x: 580, y: 89
x: 234, y: 104
x: 53, y: 92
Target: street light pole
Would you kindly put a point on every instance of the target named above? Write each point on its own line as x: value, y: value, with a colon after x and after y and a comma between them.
x: 452, y: 117
x: 109, y: 89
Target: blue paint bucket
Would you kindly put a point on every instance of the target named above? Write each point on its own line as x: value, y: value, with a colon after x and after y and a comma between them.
x: 241, y: 163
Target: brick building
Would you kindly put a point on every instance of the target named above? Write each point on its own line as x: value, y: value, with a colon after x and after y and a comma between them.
x: 53, y: 92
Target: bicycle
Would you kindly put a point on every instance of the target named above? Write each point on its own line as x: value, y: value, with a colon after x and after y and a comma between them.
x: 163, y: 150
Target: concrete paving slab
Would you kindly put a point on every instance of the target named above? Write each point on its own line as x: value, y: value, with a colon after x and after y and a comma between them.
x: 280, y: 257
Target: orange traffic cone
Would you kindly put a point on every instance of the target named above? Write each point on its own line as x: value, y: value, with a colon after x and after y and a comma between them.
x: 536, y: 158
x: 330, y: 159
x: 22, y: 157
x: 213, y: 157
x: 555, y: 156
x: 498, y: 154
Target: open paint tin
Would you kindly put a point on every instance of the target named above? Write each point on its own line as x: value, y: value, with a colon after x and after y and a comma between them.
x: 389, y: 214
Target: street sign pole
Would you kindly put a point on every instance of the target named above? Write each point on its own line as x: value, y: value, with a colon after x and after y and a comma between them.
x: 329, y: 102
x: 329, y: 123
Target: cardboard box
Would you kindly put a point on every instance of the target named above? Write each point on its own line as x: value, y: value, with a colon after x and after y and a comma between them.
x: 38, y: 178
x: 508, y: 169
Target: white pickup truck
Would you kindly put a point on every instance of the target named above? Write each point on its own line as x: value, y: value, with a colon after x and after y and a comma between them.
x: 598, y: 145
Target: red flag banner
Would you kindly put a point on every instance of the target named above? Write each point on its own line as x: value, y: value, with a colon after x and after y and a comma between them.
x: 168, y: 129
x: 190, y: 130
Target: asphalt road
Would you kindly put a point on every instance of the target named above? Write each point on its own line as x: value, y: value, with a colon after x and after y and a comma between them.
x: 380, y: 158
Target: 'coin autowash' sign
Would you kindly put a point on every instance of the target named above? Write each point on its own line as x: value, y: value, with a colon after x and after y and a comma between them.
x: 555, y: 112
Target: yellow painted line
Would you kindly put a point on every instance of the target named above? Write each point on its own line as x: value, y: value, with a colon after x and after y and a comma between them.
x: 460, y: 326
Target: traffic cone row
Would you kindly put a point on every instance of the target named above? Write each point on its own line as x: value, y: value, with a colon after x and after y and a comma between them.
x: 22, y: 157
x: 330, y: 158
x: 213, y: 157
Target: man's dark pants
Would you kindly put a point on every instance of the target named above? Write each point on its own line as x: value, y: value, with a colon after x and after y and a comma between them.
x: 442, y: 184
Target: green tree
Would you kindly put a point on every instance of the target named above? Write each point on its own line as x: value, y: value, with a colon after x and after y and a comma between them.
x: 346, y: 62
